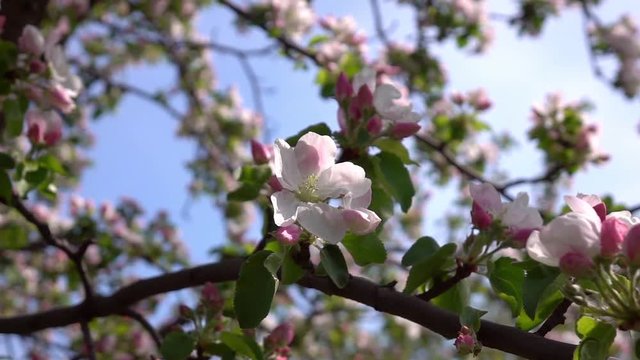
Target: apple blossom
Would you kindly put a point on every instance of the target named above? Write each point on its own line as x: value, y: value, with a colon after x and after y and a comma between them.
x: 288, y: 235
x: 43, y: 127
x: 310, y: 177
x: 261, y: 153
x: 576, y: 264
x: 577, y: 232
x: 631, y: 245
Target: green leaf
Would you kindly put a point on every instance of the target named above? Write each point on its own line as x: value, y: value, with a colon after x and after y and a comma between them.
x: 243, y: 345
x: 252, y: 179
x: 13, y: 237
x: 318, y: 39
x: 396, y: 178
x: 421, y: 249
x: 246, y: 192
x: 221, y: 350
x: 365, y: 249
x: 597, y: 337
x: 37, y: 177
x: 394, y: 147
x: 320, y: 129
x: 471, y: 317
x: 335, y: 265
x: 13, y: 110
x: 254, y: 291
x: 425, y: 269
x: 177, y: 346
x: 52, y: 163
x: 454, y: 299
x: 507, y: 280
x: 536, y: 280
x: 547, y: 302
x: 273, y: 263
x: 6, y: 161
x: 5, y: 186
x: 291, y: 272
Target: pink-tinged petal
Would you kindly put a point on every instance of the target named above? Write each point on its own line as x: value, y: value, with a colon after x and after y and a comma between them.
x: 288, y: 235
x: 385, y: 101
x: 342, y: 179
x: 612, y: 235
x: 31, y: 41
x: 322, y: 221
x: 403, y: 129
x: 576, y: 264
x: 487, y: 197
x: 580, y: 206
x: 261, y: 153
x: 344, y: 90
x: 360, y: 221
x: 285, y: 167
x: 285, y: 207
x: 518, y: 214
x: 631, y: 245
x: 539, y: 252
x: 480, y: 218
x: 362, y: 201
x: 315, y: 153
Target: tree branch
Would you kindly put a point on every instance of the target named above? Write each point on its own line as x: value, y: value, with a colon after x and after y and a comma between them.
x: 556, y: 318
x: 385, y: 299
x: 19, y: 13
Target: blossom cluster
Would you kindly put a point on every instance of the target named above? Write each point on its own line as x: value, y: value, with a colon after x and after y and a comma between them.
x: 343, y: 38
x: 622, y: 39
x: 310, y: 179
x: 374, y: 109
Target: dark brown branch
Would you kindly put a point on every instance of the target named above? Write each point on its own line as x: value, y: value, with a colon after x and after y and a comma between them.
x: 377, y: 20
x: 87, y: 340
x: 287, y: 44
x: 19, y: 13
x: 556, y: 318
x: 445, y: 323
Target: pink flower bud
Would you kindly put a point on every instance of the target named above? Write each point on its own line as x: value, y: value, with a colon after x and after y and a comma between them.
x: 374, y: 126
x: 185, y: 311
x: 34, y: 93
x: 280, y: 337
x: 520, y: 237
x: 365, y: 97
x: 61, y: 98
x: 601, y: 210
x: 288, y: 235
x: 344, y: 90
x: 466, y: 342
x: 480, y: 218
x: 458, y: 98
x: 360, y: 222
x: 274, y: 183
x: 576, y: 264
x: 31, y: 41
x: 631, y: 245
x: 52, y: 135
x: 403, y: 129
x: 261, y: 153
x: 479, y: 100
x: 612, y: 235
x: 35, y: 131
x: 355, y: 110
x: 211, y: 297
x: 43, y: 127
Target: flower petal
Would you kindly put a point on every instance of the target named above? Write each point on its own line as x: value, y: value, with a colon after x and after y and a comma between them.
x: 361, y: 221
x: 366, y: 76
x: 315, y: 153
x: 487, y: 197
x: 285, y: 167
x: 285, y: 207
x: 322, y: 221
x: 342, y: 179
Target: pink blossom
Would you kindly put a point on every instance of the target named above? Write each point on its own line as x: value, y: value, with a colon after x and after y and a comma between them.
x: 61, y: 98
x: 261, y: 153
x: 281, y: 336
x: 576, y: 264
x: 612, y: 235
x: 631, y: 245
x: 211, y: 297
x: 310, y: 177
x: 43, y: 127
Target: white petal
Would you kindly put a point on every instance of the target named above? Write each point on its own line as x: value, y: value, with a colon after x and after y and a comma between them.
x: 538, y: 252
x: 323, y: 221
x: 580, y: 206
x: 518, y: 214
x: 487, y: 197
x: 385, y: 100
x: 624, y: 216
x: 361, y: 221
x: 315, y: 153
x: 285, y: 207
x: 366, y: 76
x: 362, y: 201
x: 285, y: 166
x: 342, y: 179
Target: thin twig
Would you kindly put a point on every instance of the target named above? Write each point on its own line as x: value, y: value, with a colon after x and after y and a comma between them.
x: 556, y: 318
x: 129, y: 312
x: 463, y: 271
x: 88, y: 341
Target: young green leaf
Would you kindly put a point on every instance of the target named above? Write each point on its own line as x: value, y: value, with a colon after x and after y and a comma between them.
x: 177, y: 346
x: 365, y: 249
x: 335, y: 265
x: 291, y: 272
x: 320, y: 129
x: 421, y: 249
x: 471, y: 317
x: 254, y: 291
x: 506, y: 280
x: 425, y: 269
x: 596, y: 339
x: 396, y: 178
x: 242, y: 345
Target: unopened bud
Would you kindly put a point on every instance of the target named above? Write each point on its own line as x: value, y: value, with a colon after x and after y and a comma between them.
x: 185, y: 311
x: 212, y: 298
x: 403, y: 129
x: 612, y: 235
x: 601, y: 210
x: 37, y: 66
x: 365, y: 97
x: 519, y: 237
x: 458, y: 98
x: 288, y: 235
x: 374, y: 126
x: 261, y: 153
x: 274, y: 183
x: 31, y: 41
x: 576, y: 264
x: 631, y: 245
x: 280, y: 337
x: 61, y: 98
x: 466, y: 342
x: 344, y: 90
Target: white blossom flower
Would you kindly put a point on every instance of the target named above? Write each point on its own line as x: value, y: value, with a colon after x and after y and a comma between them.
x: 310, y: 177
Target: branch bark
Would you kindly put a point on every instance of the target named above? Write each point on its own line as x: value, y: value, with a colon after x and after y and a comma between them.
x: 385, y: 299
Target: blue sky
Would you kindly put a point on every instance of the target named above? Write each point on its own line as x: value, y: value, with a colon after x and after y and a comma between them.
x: 137, y: 153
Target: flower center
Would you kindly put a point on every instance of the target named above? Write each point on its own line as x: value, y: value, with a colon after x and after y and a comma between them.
x: 307, y: 190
